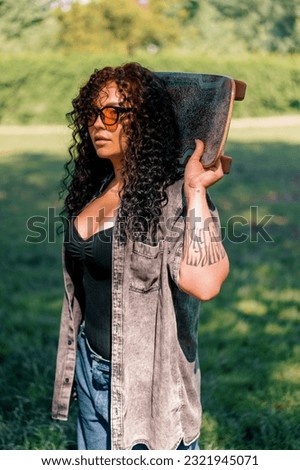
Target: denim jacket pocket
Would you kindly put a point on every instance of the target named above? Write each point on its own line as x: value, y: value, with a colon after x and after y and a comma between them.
x: 145, y: 267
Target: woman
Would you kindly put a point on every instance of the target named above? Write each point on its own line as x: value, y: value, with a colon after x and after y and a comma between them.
x: 141, y: 250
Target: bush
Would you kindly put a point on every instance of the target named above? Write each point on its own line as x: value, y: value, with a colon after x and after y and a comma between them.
x: 38, y: 89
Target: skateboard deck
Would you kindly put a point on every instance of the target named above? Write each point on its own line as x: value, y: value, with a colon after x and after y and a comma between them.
x: 203, y: 106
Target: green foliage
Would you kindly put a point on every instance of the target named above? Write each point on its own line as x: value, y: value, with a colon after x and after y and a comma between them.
x: 19, y: 16
x: 234, y: 26
x: 26, y: 24
x: 182, y: 10
x: 263, y: 25
x: 248, y: 335
x: 40, y: 88
x: 99, y: 25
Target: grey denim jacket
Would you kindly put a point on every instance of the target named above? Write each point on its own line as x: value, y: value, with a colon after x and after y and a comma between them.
x: 155, y: 382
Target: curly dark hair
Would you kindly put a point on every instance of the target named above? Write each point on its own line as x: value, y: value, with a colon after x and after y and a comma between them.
x: 151, y: 159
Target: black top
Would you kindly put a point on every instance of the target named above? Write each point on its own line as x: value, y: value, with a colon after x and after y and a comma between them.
x: 93, y: 284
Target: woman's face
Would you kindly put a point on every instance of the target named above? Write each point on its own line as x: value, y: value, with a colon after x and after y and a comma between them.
x: 109, y: 141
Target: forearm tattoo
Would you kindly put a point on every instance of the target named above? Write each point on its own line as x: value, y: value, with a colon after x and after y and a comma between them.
x: 203, y: 246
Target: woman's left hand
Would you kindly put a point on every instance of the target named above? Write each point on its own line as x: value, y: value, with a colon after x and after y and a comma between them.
x: 196, y: 176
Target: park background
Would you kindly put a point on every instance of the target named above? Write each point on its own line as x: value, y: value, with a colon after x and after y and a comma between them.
x: 249, y: 335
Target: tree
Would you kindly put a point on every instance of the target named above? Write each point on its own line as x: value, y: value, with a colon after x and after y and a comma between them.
x: 270, y: 25
x: 181, y: 10
x: 125, y: 25
x: 25, y: 24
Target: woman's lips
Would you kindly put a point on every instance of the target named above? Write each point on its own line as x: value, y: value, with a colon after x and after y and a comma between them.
x: 101, y: 140
x: 101, y: 137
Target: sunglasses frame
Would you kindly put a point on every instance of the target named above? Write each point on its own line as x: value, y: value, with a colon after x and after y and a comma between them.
x: 99, y: 112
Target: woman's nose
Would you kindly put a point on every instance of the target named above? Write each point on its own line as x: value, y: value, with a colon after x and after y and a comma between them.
x: 99, y: 122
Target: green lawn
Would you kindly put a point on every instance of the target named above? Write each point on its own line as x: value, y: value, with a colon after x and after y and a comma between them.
x: 248, y: 336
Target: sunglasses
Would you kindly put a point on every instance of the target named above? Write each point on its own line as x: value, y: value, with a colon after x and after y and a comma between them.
x: 110, y: 115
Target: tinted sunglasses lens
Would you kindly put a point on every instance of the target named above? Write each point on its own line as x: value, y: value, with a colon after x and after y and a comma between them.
x: 110, y: 116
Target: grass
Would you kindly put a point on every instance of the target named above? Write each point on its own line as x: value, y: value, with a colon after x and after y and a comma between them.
x: 248, y: 335
x: 30, y: 293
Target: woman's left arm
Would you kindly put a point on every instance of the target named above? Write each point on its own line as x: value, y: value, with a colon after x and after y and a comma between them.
x: 204, y: 265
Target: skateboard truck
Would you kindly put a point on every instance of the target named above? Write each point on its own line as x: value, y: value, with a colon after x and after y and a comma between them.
x: 203, y: 106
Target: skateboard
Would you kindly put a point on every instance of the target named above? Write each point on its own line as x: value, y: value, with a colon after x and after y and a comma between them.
x: 203, y: 105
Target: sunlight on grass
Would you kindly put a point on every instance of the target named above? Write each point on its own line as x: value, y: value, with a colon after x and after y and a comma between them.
x: 251, y: 307
x: 279, y: 220
x: 37, y: 180
x: 272, y: 129
x: 287, y: 373
x: 284, y: 295
x: 44, y: 303
x: 241, y: 327
x: 275, y: 329
x: 291, y: 313
x: 210, y: 427
x: 33, y: 139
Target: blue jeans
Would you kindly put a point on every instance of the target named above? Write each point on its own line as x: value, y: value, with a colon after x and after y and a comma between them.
x: 93, y: 393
